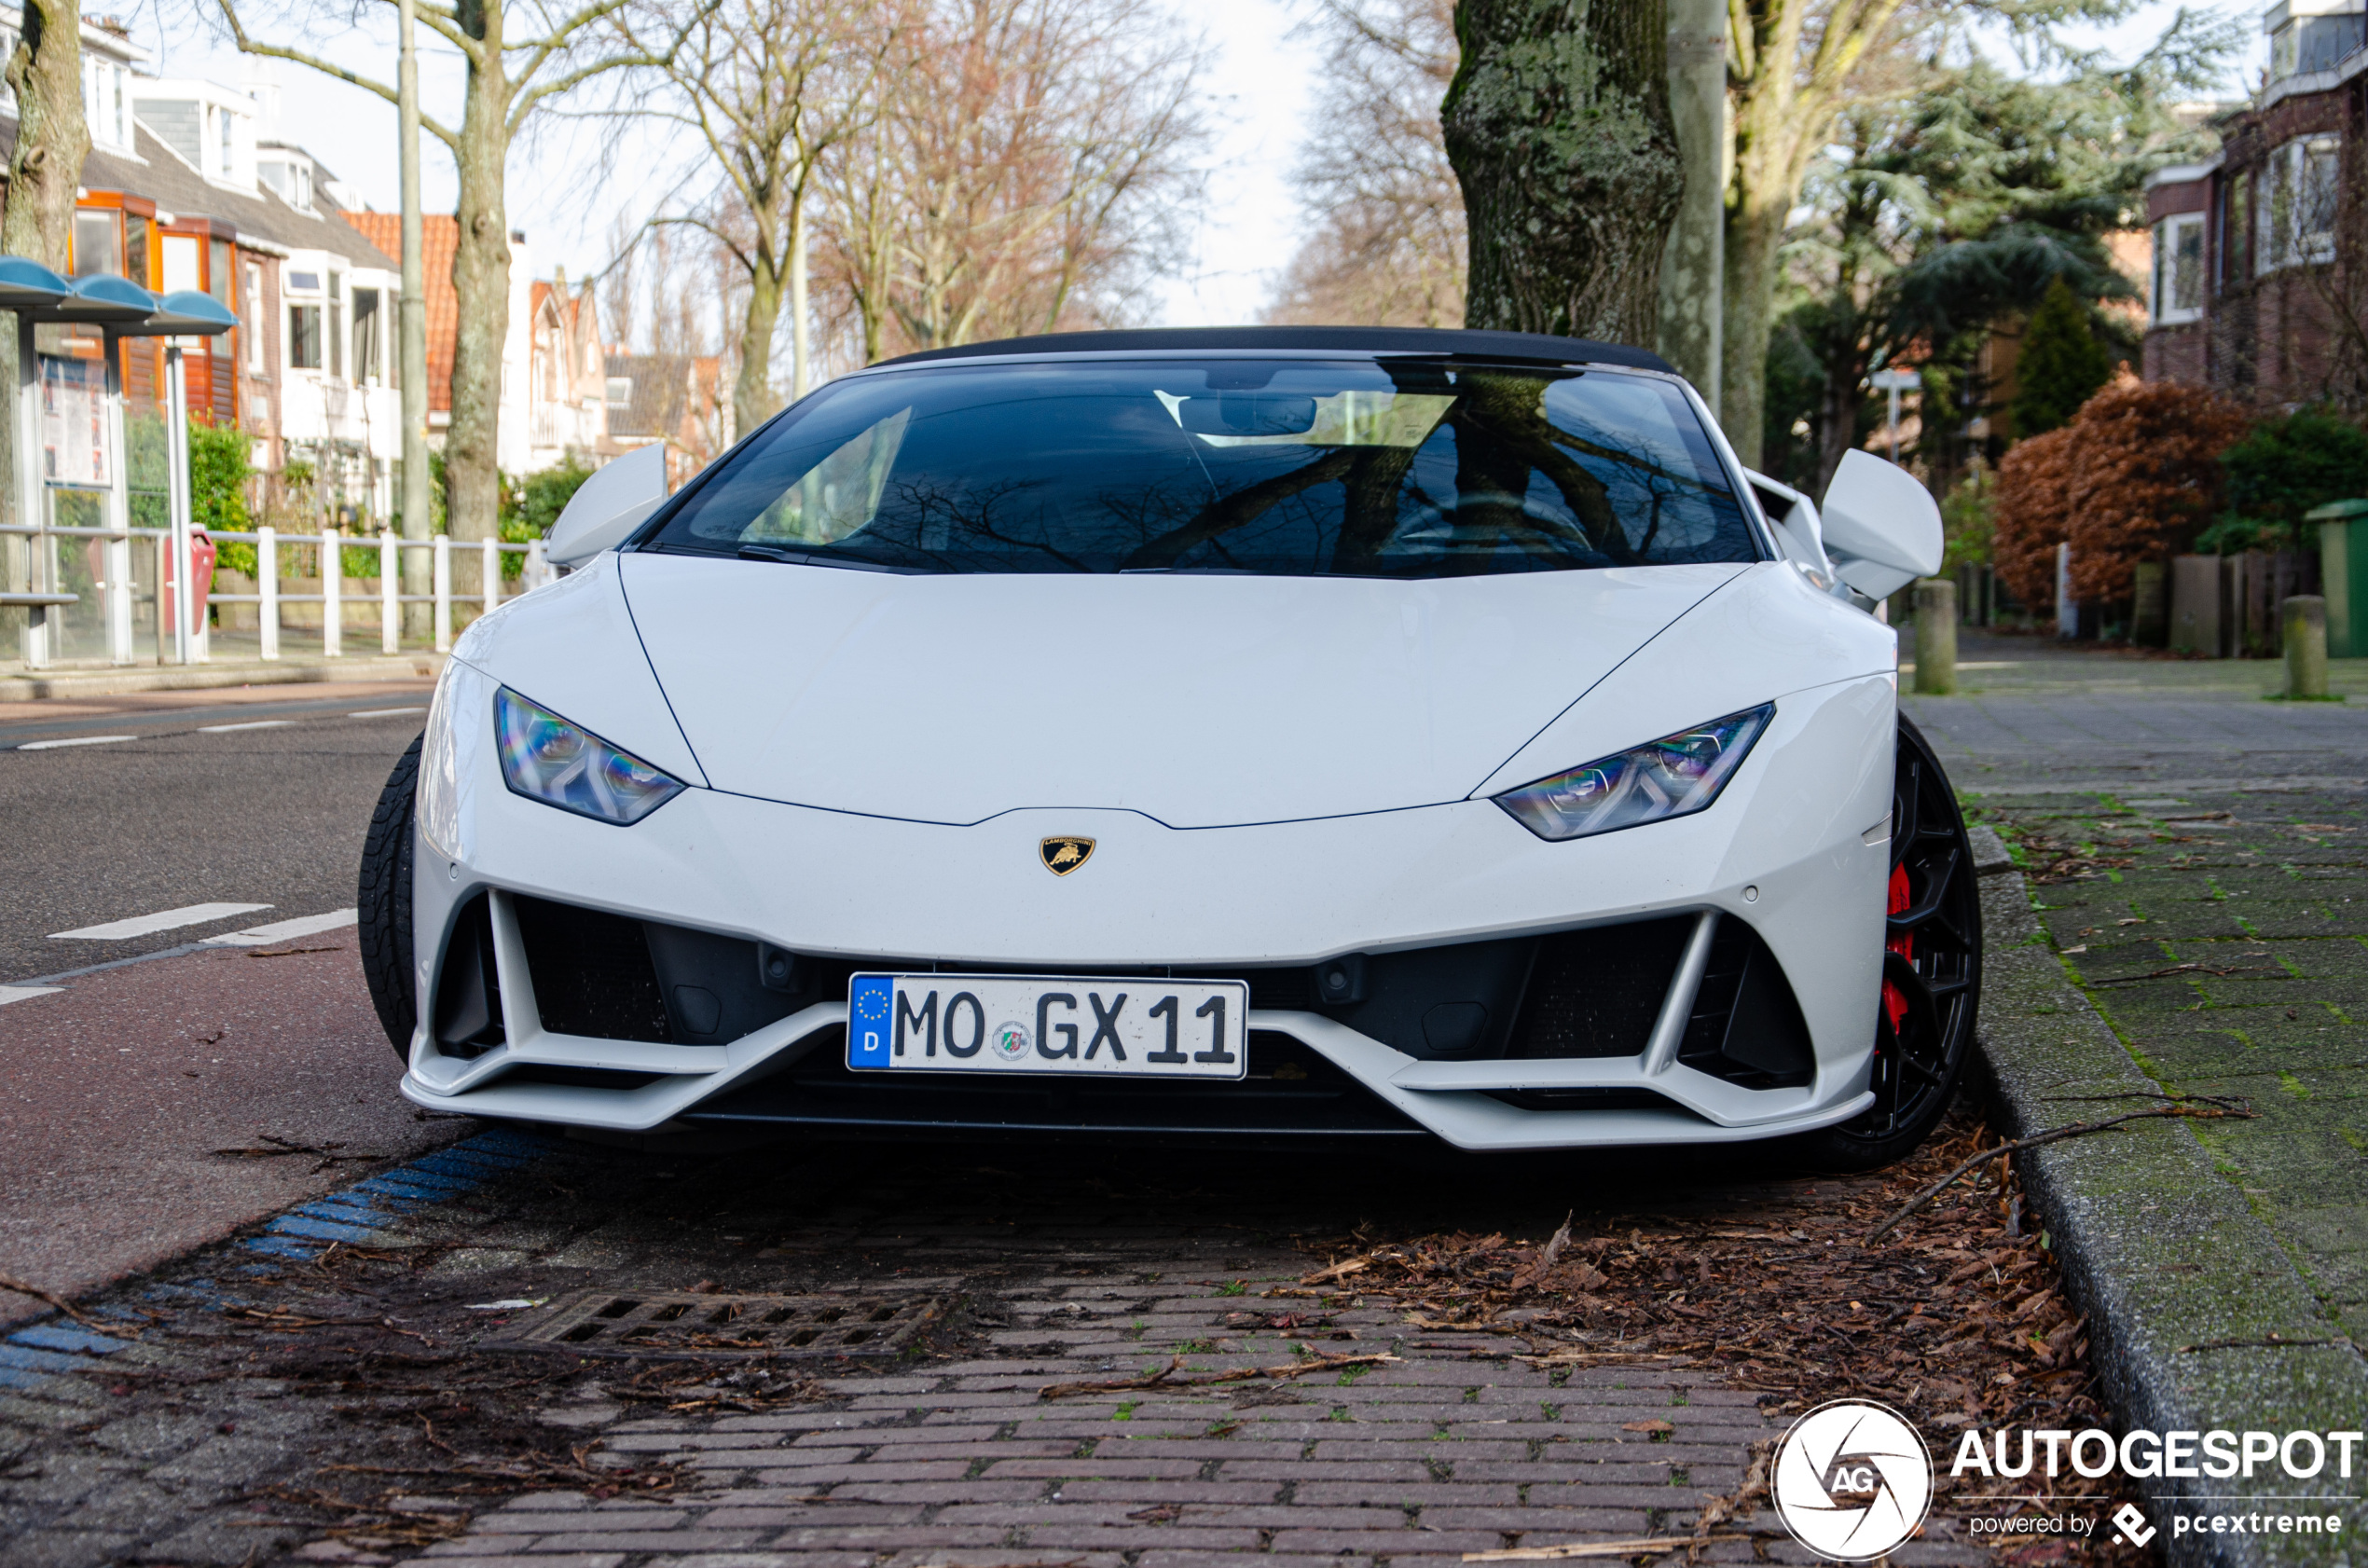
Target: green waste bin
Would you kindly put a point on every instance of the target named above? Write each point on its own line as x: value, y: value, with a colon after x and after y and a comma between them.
x: 2342, y: 570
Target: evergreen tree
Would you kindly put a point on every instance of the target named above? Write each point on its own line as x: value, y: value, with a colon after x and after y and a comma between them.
x: 2062, y: 364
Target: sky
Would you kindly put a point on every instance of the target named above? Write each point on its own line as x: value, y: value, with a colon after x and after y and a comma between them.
x: 1258, y: 90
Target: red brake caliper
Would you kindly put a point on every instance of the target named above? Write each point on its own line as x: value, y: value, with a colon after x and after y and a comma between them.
x: 1895, y: 1005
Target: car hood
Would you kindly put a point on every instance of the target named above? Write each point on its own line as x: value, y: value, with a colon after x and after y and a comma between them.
x: 1198, y: 700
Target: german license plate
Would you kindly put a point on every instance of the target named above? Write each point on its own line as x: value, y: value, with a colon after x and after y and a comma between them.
x: 1037, y: 1023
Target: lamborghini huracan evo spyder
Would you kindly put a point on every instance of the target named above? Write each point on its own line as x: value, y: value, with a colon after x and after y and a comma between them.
x: 1215, y: 735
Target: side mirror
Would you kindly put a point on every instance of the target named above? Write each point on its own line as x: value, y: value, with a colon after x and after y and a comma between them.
x: 1881, y: 526
x: 608, y: 506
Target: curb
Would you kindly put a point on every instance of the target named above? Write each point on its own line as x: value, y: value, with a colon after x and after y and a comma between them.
x: 194, y: 678
x: 2161, y: 1252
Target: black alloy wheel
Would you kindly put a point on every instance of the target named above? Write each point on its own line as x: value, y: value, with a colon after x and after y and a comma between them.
x: 384, y: 904
x: 1932, y: 969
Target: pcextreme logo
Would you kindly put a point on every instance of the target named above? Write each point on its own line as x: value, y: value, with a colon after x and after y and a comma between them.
x: 1852, y: 1480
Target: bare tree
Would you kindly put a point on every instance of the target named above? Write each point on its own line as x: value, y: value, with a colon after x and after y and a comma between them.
x: 518, y: 57
x: 1559, y: 128
x: 1793, y: 67
x: 769, y: 86
x: 1387, y: 218
x: 1024, y: 167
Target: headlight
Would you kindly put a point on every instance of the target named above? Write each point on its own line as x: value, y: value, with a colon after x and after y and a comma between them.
x: 545, y: 757
x: 1672, y: 776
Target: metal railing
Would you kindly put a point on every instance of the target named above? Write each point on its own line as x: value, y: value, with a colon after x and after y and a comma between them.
x: 332, y: 543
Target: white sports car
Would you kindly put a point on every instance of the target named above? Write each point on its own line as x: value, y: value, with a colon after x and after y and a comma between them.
x: 1241, y: 733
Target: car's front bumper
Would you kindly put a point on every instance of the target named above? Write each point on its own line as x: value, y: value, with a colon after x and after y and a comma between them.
x: 1797, y: 848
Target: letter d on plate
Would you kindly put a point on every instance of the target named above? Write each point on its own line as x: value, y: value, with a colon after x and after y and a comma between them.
x: 870, y: 1003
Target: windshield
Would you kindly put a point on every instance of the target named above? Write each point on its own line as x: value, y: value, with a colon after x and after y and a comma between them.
x: 1390, y: 468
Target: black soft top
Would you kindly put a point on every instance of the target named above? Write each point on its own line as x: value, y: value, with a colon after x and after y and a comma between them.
x: 1457, y: 344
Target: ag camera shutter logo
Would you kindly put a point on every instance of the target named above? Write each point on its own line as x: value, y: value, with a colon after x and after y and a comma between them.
x: 1852, y: 1480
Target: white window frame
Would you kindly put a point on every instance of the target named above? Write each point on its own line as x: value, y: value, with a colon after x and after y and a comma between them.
x: 2306, y: 170
x: 2167, y: 276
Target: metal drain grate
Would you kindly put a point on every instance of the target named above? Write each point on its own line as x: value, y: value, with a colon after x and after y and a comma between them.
x: 669, y: 1324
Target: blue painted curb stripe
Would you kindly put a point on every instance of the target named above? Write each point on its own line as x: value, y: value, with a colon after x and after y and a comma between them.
x: 321, y: 1230
x: 26, y: 1360
x: 279, y: 1246
x: 53, y: 1337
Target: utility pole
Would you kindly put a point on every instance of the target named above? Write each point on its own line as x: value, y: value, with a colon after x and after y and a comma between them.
x: 418, y: 500
x: 1694, y: 265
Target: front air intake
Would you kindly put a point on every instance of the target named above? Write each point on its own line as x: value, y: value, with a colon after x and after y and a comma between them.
x: 1746, y: 1025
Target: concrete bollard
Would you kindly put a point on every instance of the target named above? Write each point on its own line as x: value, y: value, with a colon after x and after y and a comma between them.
x: 2305, y: 627
x: 1936, y: 636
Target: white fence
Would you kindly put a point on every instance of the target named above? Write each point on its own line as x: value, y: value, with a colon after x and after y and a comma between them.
x: 116, y: 598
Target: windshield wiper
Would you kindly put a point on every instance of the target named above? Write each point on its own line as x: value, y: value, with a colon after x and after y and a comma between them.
x: 809, y: 558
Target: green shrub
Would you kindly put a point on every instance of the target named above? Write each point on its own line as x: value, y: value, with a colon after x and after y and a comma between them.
x: 2281, y: 471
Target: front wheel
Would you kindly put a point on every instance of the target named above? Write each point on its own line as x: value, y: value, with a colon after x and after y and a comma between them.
x: 1932, y: 969
x: 383, y: 904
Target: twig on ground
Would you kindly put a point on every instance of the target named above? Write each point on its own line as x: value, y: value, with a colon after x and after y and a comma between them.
x: 1651, y: 1547
x: 2268, y: 1341
x: 2192, y: 968
x: 2053, y: 1135
x: 1166, y: 1377
x: 282, y: 1146
x: 22, y: 1288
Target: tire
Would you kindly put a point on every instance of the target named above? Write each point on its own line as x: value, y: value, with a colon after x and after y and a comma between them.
x: 1932, y: 970
x: 383, y: 904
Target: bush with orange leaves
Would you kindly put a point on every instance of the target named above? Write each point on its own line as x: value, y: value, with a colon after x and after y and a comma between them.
x: 2132, y: 478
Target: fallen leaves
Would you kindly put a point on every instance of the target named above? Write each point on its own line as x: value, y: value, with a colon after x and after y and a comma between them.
x: 1956, y: 1319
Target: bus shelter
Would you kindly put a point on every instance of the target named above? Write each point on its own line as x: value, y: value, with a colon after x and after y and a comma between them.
x: 72, y: 459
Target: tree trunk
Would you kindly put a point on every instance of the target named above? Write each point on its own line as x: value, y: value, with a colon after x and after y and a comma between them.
x: 801, y: 346
x: 46, y: 72
x: 1694, y: 268
x: 1558, y: 126
x: 1765, y: 181
x: 752, y: 399
x: 481, y: 286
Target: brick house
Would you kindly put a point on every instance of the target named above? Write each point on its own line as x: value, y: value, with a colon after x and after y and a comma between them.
x: 529, y: 404
x: 567, y: 375
x: 2255, y: 289
x: 678, y: 399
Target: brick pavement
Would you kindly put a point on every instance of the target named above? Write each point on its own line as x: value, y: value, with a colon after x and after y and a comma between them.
x: 188, y: 1445
x: 1414, y: 1462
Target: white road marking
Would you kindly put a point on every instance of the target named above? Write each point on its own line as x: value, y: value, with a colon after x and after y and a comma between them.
x: 77, y: 740
x: 281, y: 930
x: 384, y: 712
x: 256, y: 724
x: 163, y: 920
x: 19, y: 993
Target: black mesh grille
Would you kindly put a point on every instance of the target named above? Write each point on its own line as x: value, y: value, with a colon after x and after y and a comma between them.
x: 1596, y: 993
x: 592, y: 973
